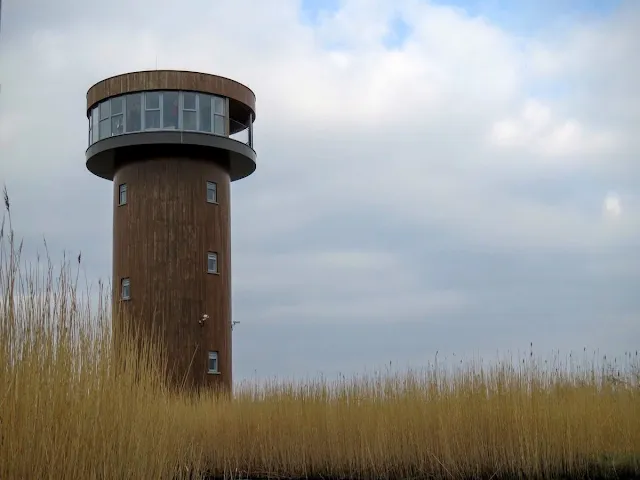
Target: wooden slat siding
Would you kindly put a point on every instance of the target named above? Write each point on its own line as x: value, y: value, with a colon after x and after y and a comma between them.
x: 161, y: 239
x: 170, y: 80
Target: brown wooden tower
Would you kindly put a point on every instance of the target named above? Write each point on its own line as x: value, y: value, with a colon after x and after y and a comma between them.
x: 171, y: 142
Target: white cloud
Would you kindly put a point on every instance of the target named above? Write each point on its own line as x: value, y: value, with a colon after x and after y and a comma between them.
x: 536, y: 130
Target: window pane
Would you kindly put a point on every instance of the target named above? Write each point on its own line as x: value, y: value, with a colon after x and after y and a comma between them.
x: 212, y: 264
x: 218, y: 105
x: 204, y: 105
x: 105, y: 128
x: 211, y: 192
x: 134, y: 112
x: 117, y: 105
x: 152, y: 100
x: 189, y: 101
x: 105, y: 111
x: 152, y: 119
x: 117, y: 124
x: 170, y: 110
x: 95, y: 117
x: 189, y: 120
x: 219, y: 125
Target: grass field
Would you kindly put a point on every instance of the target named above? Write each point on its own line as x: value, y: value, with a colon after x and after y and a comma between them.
x: 69, y: 410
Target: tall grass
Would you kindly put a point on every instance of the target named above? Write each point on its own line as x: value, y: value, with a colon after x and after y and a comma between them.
x: 70, y: 408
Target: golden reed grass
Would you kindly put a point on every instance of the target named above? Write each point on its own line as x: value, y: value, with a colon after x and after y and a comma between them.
x: 68, y: 409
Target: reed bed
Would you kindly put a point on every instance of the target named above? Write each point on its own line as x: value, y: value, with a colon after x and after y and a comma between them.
x: 68, y: 409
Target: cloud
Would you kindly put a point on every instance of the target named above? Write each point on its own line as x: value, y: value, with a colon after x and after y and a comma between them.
x: 454, y: 182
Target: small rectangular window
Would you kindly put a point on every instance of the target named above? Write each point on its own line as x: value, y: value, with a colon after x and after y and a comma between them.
x: 122, y: 195
x: 212, y: 192
x: 213, y: 363
x: 126, y: 289
x: 212, y: 262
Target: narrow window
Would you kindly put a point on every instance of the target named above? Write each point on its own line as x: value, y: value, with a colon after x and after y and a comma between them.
x: 105, y: 120
x: 134, y: 112
x: 126, y: 289
x: 219, y: 116
x: 204, y: 109
x: 151, y: 110
x: 90, y: 128
x: 212, y: 262
x: 95, y: 122
x: 117, y: 116
x: 213, y: 362
x: 170, y: 110
x: 189, y: 111
x: 212, y: 192
x: 122, y: 196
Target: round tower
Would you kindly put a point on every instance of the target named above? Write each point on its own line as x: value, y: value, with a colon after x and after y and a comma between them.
x: 171, y: 142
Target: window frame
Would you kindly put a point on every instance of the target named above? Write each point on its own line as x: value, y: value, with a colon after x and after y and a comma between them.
x: 213, y: 255
x: 215, y: 192
x: 146, y: 109
x: 195, y: 111
x: 125, y: 283
x: 213, y: 355
x: 122, y: 188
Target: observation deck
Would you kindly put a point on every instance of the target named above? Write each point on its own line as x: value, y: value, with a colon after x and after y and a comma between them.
x: 146, y: 114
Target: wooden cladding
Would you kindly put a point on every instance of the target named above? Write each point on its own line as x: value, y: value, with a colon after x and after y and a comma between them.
x: 171, y: 80
x: 161, y: 239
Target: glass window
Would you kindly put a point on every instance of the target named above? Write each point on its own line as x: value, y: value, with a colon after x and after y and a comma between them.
x: 152, y: 110
x: 134, y: 112
x: 212, y: 262
x: 122, y: 194
x: 189, y: 114
x: 117, y: 124
x: 212, y: 192
x: 126, y: 289
x: 170, y: 110
x: 189, y: 101
x: 204, y: 107
x: 213, y: 362
x: 90, y: 128
x: 219, y: 125
x: 218, y: 105
x: 151, y: 119
x: 105, y: 110
x: 96, y: 121
x: 117, y: 105
x: 152, y: 100
x: 105, y: 128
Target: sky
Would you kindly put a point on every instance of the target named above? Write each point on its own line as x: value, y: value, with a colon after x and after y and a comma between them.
x: 452, y: 178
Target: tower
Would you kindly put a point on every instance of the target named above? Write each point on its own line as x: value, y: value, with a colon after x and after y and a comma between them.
x: 171, y: 142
